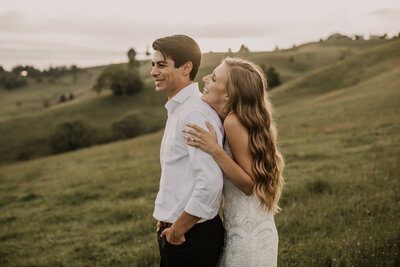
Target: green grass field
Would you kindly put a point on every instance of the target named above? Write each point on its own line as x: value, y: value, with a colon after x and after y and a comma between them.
x: 99, y: 110
x: 32, y: 97
x: 339, y: 131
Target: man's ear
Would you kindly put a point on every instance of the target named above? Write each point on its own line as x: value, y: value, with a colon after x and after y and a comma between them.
x: 187, y: 68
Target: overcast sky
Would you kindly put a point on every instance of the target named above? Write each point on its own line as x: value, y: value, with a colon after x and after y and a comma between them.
x: 93, y: 32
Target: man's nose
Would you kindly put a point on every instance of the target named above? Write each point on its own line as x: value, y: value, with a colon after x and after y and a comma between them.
x: 154, y: 72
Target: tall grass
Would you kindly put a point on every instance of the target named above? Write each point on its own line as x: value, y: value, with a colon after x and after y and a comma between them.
x: 340, y: 204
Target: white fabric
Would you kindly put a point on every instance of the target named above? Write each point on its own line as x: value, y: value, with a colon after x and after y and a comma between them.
x: 191, y: 180
x: 251, y: 238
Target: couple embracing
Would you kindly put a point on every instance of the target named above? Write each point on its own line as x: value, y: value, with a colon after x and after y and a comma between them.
x: 219, y: 144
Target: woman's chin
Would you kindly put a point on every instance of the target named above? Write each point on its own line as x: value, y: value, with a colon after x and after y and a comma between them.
x: 207, y: 100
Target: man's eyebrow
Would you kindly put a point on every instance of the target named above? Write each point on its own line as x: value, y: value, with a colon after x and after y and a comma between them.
x: 160, y: 62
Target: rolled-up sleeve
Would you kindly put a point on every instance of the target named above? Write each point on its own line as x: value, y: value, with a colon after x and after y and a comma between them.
x: 206, y: 196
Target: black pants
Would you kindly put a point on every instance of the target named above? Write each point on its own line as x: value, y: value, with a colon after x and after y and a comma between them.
x: 202, y: 248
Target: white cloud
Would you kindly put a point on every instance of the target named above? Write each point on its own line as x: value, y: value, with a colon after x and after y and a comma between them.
x: 387, y: 13
x: 95, y: 30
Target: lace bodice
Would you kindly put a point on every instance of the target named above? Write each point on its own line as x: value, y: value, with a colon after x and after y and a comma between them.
x: 251, y: 236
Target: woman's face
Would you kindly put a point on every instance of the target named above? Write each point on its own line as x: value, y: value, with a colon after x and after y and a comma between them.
x: 215, y: 93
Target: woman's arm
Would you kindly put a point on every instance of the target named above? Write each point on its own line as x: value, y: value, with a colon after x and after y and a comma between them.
x: 239, y: 169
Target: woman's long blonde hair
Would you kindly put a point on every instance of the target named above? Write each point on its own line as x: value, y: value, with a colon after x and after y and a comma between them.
x: 248, y: 99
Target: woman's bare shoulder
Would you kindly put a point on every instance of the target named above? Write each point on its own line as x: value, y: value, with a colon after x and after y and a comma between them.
x: 231, y: 120
x: 233, y: 125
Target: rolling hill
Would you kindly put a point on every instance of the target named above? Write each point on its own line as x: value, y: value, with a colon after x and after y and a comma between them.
x: 338, y: 129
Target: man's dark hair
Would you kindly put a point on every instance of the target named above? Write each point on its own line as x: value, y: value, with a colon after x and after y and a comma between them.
x: 181, y: 49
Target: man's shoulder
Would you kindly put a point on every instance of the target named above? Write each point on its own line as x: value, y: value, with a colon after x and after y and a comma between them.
x: 193, y: 102
x: 194, y: 105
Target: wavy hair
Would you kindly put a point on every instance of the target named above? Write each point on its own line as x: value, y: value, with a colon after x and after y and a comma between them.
x: 248, y: 99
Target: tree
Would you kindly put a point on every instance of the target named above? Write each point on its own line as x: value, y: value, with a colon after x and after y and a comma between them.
x: 358, y: 37
x: 10, y: 80
x: 121, y: 79
x: 147, y: 51
x: 73, y: 68
x: 129, y: 126
x: 29, y: 71
x: 243, y: 49
x: 62, y: 99
x: 273, y: 79
x: 383, y: 37
x: 72, y: 135
x: 131, y: 56
x: 55, y: 72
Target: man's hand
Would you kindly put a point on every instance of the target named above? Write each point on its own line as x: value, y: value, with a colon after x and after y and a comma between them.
x: 173, y: 237
x: 159, y: 224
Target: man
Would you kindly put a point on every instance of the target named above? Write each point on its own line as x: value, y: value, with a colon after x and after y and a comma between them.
x: 189, y: 230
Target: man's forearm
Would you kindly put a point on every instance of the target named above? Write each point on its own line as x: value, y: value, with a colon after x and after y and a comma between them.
x: 184, y: 223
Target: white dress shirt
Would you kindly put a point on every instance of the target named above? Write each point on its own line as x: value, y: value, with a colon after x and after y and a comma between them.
x: 191, y: 180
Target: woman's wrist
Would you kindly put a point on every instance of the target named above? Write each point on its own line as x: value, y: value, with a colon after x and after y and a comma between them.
x: 215, y: 151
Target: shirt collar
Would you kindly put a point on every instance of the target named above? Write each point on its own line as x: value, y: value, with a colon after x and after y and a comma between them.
x: 182, y: 95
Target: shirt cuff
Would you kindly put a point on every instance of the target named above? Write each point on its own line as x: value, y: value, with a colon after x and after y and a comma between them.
x: 200, y: 210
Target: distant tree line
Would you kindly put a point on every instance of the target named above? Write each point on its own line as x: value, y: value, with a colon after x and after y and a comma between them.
x: 357, y: 37
x: 19, y: 75
x: 11, y: 80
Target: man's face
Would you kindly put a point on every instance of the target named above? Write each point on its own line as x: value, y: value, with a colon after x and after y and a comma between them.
x: 168, y: 79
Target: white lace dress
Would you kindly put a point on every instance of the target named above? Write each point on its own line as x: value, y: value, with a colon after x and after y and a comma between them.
x: 251, y: 238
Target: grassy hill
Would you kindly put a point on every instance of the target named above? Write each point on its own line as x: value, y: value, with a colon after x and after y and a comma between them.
x: 26, y: 136
x: 297, y: 61
x: 100, y: 111
x: 32, y: 98
x: 338, y: 129
x: 341, y: 73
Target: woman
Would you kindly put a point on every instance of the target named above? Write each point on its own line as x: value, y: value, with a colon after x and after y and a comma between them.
x: 250, y: 160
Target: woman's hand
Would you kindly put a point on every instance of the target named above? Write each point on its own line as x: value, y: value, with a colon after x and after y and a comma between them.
x: 205, y: 140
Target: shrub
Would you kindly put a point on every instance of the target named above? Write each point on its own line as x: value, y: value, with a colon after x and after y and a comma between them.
x: 121, y: 79
x: 46, y: 103
x: 11, y: 80
x: 29, y: 70
x: 273, y: 79
x: 71, y: 135
x: 62, y: 99
x: 129, y: 126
